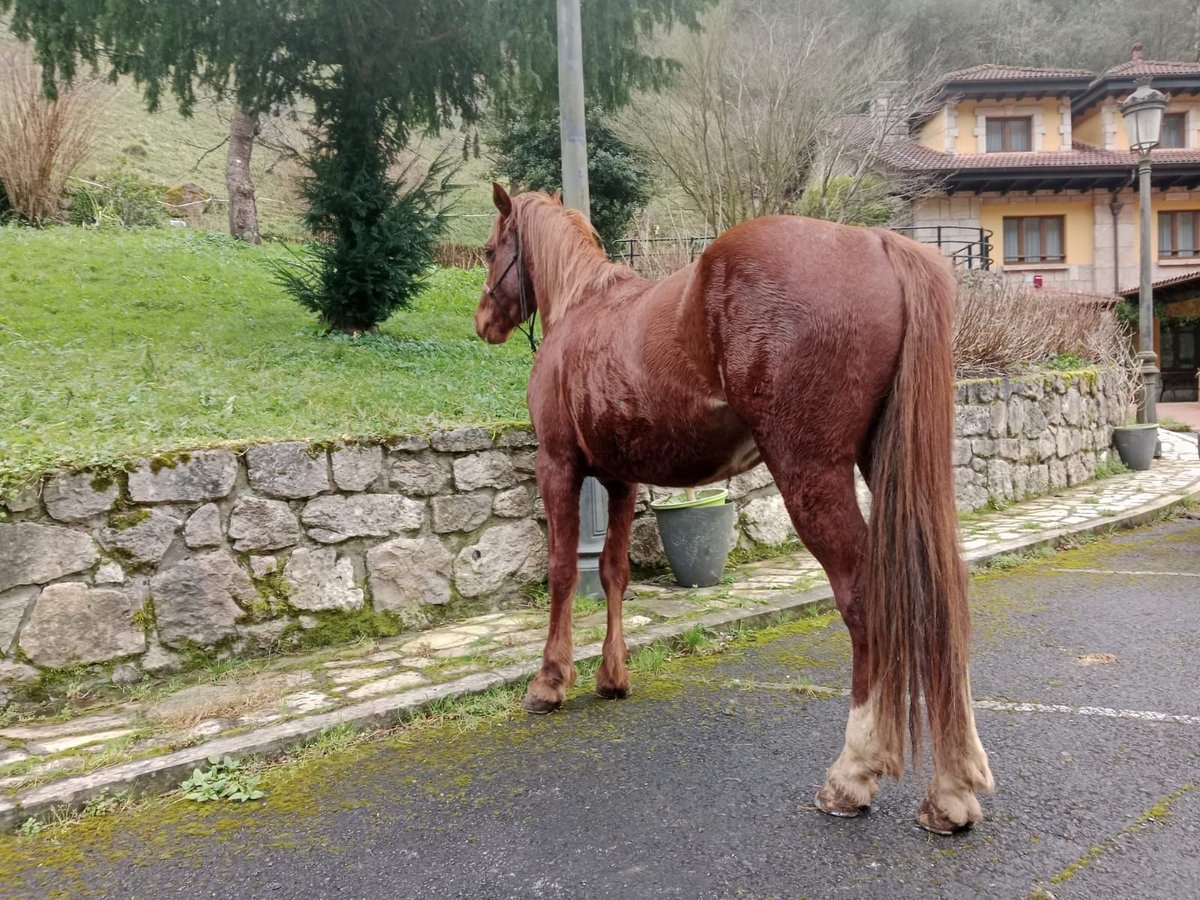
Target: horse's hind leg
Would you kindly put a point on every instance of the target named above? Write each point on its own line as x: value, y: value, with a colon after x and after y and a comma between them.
x: 821, y: 501
x: 612, y: 678
x: 559, y: 483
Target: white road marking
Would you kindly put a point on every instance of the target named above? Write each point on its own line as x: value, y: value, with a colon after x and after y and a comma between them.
x: 1104, y: 712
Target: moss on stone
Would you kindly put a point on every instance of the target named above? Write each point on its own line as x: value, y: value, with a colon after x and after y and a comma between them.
x: 123, y: 521
x: 169, y: 460
x: 144, y: 617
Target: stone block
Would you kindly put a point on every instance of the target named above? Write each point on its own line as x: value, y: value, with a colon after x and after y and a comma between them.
x: 356, y: 468
x: 1072, y: 406
x: 408, y: 571
x: 141, y: 536
x: 34, y: 554
x: 79, y: 497
x: 645, y: 543
x: 491, y: 468
x: 203, y: 528
x: 984, y: 447
x: 504, y: 554
x: 461, y: 440
x: 1052, y: 408
x: 515, y: 503
x: 999, y: 476
x: 1057, y: 473
x: 24, y: 499
x: 204, y: 475
x: 421, y: 476
x: 1035, y: 422
x: 765, y: 521
x: 331, y: 520
x: 970, y: 421
x: 318, y: 580
x: 258, y: 524
x: 14, y: 605
x: 962, y: 452
x: 752, y: 480
x: 409, y: 444
x: 197, y: 599
x: 289, y: 471
x: 999, y: 413
x: 517, y: 438
x: 461, y: 512
x: 73, y: 624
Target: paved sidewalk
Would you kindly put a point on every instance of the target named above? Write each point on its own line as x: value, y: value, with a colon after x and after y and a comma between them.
x: 151, y: 739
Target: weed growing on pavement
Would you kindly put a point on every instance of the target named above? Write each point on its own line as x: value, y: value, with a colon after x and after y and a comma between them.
x: 225, y: 779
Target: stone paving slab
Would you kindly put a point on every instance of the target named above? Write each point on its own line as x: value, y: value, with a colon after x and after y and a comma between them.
x: 151, y: 744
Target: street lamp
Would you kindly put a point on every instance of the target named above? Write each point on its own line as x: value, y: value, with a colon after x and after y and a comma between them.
x: 1143, y: 113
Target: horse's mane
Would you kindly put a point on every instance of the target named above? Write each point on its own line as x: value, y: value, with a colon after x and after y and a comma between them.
x: 565, y: 252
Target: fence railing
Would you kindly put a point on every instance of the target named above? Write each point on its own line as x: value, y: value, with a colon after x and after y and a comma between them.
x: 969, y: 247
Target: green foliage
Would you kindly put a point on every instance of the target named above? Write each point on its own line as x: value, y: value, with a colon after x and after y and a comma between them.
x: 31, y: 826
x: 119, y: 198
x: 852, y: 201
x: 377, y: 237
x: 224, y: 779
x: 528, y: 153
x: 371, y: 72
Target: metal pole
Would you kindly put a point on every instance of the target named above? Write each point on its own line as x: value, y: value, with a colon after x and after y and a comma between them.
x: 1146, y: 412
x: 593, y: 500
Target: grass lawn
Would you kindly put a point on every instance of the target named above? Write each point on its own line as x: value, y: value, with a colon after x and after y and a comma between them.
x: 120, y: 344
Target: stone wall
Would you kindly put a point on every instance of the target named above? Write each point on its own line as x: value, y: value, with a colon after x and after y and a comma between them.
x: 215, y: 552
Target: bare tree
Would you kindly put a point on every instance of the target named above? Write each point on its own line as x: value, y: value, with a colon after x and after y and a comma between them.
x: 748, y: 120
x: 243, y: 207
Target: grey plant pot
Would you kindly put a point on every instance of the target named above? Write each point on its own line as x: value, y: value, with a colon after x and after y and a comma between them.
x: 697, y: 542
x: 1136, y: 444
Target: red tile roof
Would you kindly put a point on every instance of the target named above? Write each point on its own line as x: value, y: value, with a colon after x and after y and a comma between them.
x: 1165, y: 282
x: 913, y: 157
x: 1134, y: 67
x: 991, y: 72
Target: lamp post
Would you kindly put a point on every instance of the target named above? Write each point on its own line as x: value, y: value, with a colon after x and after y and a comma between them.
x: 1143, y: 112
x: 593, y: 500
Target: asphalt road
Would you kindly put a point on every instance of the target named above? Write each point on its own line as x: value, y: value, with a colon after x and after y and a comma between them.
x: 701, y: 784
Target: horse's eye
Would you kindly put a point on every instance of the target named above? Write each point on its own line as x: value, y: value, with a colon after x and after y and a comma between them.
x: 488, y: 253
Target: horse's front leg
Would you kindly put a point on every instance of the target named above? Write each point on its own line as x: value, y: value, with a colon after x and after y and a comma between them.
x: 559, y: 483
x: 612, y: 678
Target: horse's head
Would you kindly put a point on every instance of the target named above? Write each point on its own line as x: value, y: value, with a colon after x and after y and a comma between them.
x: 507, y: 299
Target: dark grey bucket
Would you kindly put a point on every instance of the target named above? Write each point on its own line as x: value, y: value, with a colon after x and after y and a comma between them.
x: 697, y: 541
x: 1135, y: 445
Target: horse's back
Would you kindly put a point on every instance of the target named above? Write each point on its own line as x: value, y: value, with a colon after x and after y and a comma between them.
x: 805, y: 320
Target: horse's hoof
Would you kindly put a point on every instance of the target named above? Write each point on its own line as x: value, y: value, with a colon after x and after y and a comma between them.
x: 539, y: 706
x: 833, y: 802
x: 613, y: 691
x: 932, y: 819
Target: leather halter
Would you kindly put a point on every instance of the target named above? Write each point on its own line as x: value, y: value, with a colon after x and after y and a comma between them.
x: 531, y: 332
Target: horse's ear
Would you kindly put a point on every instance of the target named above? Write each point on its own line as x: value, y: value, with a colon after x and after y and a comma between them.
x: 557, y: 196
x: 501, y: 199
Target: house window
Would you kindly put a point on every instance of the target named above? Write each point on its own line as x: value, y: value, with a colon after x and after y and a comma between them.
x: 1174, y: 131
x: 1009, y: 135
x: 1033, y: 239
x: 1177, y: 234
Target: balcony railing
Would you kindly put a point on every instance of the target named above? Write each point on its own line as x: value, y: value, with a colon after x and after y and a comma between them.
x: 967, y: 246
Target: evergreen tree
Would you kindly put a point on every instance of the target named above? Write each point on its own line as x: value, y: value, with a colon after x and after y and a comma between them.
x: 527, y: 148
x: 372, y: 70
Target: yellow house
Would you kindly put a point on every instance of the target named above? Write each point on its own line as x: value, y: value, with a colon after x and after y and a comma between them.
x: 1031, y: 175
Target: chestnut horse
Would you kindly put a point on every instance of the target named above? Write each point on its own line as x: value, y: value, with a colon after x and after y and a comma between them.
x: 806, y: 345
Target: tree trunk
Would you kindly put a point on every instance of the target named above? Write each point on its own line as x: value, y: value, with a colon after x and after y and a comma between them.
x: 243, y: 210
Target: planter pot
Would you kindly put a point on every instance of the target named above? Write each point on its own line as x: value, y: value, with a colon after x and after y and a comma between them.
x: 705, y: 497
x: 697, y: 540
x: 1136, y: 444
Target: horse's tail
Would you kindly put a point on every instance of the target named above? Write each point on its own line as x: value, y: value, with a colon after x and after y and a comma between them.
x: 918, y: 623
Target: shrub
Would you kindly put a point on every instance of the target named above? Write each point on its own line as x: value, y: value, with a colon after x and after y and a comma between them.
x: 119, y: 198
x: 42, y: 142
x: 528, y: 152
x: 1002, y: 327
x: 852, y: 201
x: 376, y: 231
